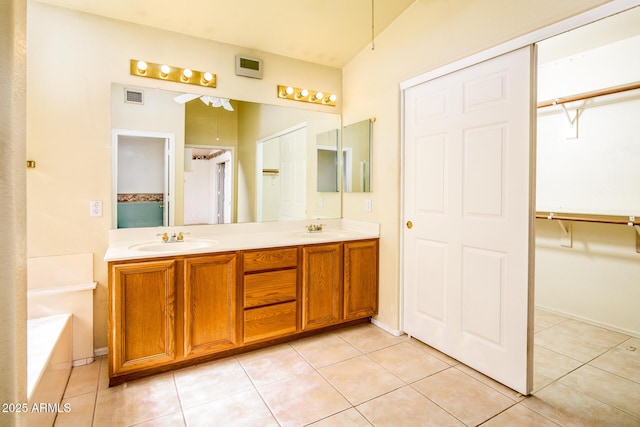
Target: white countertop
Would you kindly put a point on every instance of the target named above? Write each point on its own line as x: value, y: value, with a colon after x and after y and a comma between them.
x: 136, y: 243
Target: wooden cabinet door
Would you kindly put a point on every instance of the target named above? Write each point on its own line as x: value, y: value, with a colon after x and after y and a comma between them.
x: 210, y: 304
x: 142, y: 315
x: 321, y: 285
x: 360, y: 279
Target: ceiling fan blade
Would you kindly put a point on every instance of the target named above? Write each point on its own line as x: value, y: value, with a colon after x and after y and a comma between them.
x: 226, y: 104
x: 185, y: 97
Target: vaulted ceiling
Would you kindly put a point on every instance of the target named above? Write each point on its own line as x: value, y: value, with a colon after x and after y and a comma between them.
x: 328, y: 32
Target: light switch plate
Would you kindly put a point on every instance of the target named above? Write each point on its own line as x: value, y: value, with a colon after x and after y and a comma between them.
x: 367, y: 205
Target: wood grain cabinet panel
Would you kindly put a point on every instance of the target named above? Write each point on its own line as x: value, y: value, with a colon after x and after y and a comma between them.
x: 270, y: 288
x: 271, y: 259
x: 270, y: 293
x: 321, y: 285
x: 166, y: 313
x: 269, y: 322
x: 360, y: 279
x: 210, y: 304
x: 143, y: 310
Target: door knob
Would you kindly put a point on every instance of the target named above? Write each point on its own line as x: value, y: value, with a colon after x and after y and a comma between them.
x: 409, y: 224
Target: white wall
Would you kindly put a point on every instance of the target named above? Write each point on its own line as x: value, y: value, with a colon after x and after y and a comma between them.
x: 430, y: 34
x: 597, y: 280
x: 72, y: 60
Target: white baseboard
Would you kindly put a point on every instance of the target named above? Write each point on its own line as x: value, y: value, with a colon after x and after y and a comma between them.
x: 81, y: 362
x: 605, y: 325
x: 381, y: 325
x: 102, y: 351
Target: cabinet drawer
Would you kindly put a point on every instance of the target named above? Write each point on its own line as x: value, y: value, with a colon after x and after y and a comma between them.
x: 270, y: 288
x: 271, y: 321
x: 270, y: 259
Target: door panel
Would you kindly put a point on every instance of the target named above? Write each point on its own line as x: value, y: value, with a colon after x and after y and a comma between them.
x: 468, y: 192
x: 293, y: 165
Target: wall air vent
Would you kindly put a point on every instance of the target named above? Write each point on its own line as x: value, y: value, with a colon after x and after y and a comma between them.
x: 133, y: 96
x: 248, y: 67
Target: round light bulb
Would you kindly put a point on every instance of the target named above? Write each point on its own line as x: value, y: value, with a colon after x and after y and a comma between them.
x: 333, y: 98
x: 288, y: 90
x: 187, y: 73
x: 165, y: 69
x: 304, y: 93
x: 142, y: 66
x: 207, y: 77
x: 319, y: 95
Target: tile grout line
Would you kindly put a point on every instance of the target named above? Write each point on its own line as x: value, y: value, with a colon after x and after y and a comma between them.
x: 255, y: 388
x: 175, y: 385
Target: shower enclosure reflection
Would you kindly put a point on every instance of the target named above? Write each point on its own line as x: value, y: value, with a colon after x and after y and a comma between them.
x: 356, y: 156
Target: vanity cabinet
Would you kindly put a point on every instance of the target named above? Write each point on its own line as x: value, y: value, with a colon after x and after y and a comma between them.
x: 142, y: 320
x: 321, y: 285
x: 175, y: 311
x: 210, y: 304
x: 163, y: 312
x: 270, y: 293
x: 360, y: 279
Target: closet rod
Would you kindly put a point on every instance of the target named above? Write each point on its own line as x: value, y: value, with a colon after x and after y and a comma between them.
x: 587, y: 95
x: 602, y: 219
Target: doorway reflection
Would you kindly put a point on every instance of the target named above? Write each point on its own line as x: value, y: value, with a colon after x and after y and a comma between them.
x: 208, y: 185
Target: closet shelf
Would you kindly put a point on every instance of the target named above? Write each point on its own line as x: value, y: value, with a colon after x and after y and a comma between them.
x: 603, y: 219
x: 631, y: 221
x: 589, y: 95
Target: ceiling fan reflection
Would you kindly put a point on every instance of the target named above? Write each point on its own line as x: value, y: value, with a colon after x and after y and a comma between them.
x: 214, y: 101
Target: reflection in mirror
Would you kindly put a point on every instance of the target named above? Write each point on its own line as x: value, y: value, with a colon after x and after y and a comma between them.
x: 212, y: 160
x: 328, y: 145
x: 356, y: 156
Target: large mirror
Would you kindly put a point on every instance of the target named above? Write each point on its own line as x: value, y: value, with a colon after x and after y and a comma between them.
x: 356, y: 156
x: 181, y: 159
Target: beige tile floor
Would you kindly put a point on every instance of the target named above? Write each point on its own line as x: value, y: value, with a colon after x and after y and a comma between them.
x: 363, y: 376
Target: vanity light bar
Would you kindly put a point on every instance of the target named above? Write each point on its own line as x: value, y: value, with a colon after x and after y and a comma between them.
x: 172, y: 74
x: 306, y: 95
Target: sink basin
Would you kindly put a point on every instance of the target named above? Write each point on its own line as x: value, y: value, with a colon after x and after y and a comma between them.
x: 185, y: 245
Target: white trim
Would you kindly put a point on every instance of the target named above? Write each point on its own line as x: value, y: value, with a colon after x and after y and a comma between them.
x: 82, y: 362
x: 62, y: 289
x: 102, y: 351
x: 170, y: 170
x: 588, y: 17
x: 283, y: 132
x: 604, y: 325
x: 396, y: 332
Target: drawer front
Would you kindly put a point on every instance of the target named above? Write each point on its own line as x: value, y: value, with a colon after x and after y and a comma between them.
x: 271, y: 321
x: 270, y: 288
x: 270, y: 259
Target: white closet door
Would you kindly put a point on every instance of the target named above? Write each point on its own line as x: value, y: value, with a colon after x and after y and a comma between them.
x: 468, y: 257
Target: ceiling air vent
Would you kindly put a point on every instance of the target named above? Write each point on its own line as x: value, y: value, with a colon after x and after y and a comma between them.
x: 132, y: 96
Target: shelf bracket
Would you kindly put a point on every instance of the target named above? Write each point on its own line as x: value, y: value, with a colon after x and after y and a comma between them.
x: 631, y: 222
x: 572, y: 130
x: 566, y: 234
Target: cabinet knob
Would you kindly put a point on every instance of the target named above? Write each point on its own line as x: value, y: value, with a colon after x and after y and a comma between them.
x: 409, y: 224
